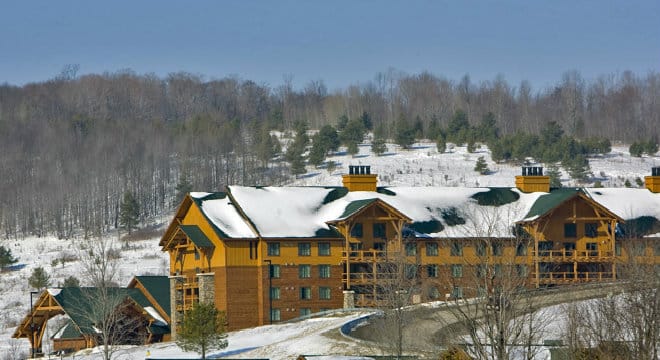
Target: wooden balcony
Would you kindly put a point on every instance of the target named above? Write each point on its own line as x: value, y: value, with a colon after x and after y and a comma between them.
x: 189, y: 294
x: 369, y: 278
x: 564, y: 255
x: 571, y: 277
x: 366, y: 255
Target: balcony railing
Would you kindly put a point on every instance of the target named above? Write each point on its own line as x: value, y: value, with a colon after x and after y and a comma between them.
x: 565, y: 255
x: 369, y: 278
x: 572, y: 277
x: 366, y: 255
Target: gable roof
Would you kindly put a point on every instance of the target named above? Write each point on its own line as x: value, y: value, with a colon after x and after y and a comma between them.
x: 158, y: 287
x: 549, y: 201
x: 196, y: 235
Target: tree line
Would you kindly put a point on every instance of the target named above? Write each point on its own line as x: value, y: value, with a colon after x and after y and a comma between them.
x: 72, y: 147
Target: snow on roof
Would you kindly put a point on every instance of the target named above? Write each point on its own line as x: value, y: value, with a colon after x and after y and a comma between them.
x: 54, y: 291
x: 223, y: 214
x: 154, y: 314
x: 303, y: 211
x: 628, y: 203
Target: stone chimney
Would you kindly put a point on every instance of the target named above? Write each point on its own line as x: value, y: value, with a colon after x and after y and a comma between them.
x: 533, y: 180
x: 653, y: 182
x: 359, y: 178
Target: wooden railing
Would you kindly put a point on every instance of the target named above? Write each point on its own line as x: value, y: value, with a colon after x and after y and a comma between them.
x: 189, y: 295
x: 366, y: 255
x: 571, y: 277
x: 565, y: 255
x: 368, y: 278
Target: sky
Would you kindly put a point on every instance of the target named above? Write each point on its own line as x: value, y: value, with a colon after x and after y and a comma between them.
x: 340, y: 42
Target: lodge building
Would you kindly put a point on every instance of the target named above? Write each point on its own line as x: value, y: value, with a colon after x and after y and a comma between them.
x: 269, y: 254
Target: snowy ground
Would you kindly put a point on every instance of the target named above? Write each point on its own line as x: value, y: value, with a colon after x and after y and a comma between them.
x: 420, y: 166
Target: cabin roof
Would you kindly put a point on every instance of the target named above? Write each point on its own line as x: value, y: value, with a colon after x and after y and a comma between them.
x: 550, y: 201
x: 196, y: 235
x: 159, y: 287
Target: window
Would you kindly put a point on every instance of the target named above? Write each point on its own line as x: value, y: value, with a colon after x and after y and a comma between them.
x: 481, y: 291
x: 545, y: 247
x: 304, y: 271
x: 305, y: 293
x: 253, y: 249
x: 324, y: 271
x: 434, y: 293
x: 481, y: 249
x: 521, y: 250
x: 497, y: 269
x: 275, y: 293
x: 457, y: 270
x: 457, y: 292
x: 617, y: 249
x: 456, y: 248
x: 431, y: 249
x: 324, y: 249
x: 432, y: 270
x: 379, y: 231
x: 592, y: 249
x: 275, y: 315
x: 410, y: 271
x: 569, y: 248
x: 305, y: 311
x: 356, y: 230
x: 273, y: 249
x: 197, y: 253
x: 591, y: 230
x: 380, y: 246
x: 497, y: 248
x: 324, y: 293
x: 522, y: 270
x: 481, y: 270
x: 656, y: 249
x: 304, y: 249
x: 275, y: 271
x: 411, y: 249
x: 570, y: 230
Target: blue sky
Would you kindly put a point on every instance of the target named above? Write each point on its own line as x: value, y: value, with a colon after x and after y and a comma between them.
x: 339, y: 42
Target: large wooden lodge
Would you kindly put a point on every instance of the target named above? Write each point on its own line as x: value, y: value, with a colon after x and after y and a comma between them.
x: 270, y: 254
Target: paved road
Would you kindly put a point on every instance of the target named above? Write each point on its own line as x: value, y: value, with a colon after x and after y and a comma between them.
x: 426, y: 329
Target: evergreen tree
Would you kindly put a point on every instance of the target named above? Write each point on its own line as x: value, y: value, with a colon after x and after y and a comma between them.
x: 636, y: 149
x: 441, y: 143
x: 366, y: 121
x: 378, y: 146
x: 651, y: 147
x: 39, y: 279
x: 353, y: 133
x: 267, y: 146
x: 418, y: 128
x: 71, y: 281
x: 202, y: 330
x: 487, y: 131
x: 405, y: 134
x: 578, y: 167
x: 352, y: 149
x: 554, y: 175
x: 317, y: 153
x: 458, y: 128
x: 182, y: 188
x: 129, y: 212
x: 471, y: 146
x: 481, y: 166
x: 331, y: 166
x: 300, y: 141
x: 6, y: 258
x: 328, y: 137
x: 342, y: 122
x: 298, y: 166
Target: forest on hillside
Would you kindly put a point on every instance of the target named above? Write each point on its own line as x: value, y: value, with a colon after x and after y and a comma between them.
x: 74, y: 147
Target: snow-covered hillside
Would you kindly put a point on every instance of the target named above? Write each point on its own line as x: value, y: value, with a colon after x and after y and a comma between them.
x: 420, y: 166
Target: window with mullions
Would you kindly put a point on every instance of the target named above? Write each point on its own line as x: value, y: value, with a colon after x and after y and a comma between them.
x: 497, y: 248
x: 482, y: 270
x: 305, y: 293
x: 379, y: 231
x: 521, y: 250
x: 305, y: 311
x: 480, y: 249
x: 431, y: 249
x: 304, y: 271
x: 457, y: 270
x: 274, y: 249
x: 457, y: 292
x: 274, y: 271
x: 432, y: 270
x: 356, y: 230
x: 304, y: 249
x: 591, y: 230
x: 456, y: 249
x: 324, y: 293
x: 411, y: 249
x: 275, y: 315
x: 324, y: 271
x: 570, y: 230
x: 522, y: 270
x: 275, y: 293
x: 324, y: 249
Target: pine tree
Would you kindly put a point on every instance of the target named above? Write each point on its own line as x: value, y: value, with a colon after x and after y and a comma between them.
x: 182, y: 188
x: 352, y: 149
x: 202, y: 330
x: 317, y: 153
x: 554, y: 175
x: 378, y: 146
x: 39, y: 278
x: 129, y: 212
x: 578, y: 168
x: 441, y: 143
x: 71, y: 281
x: 6, y: 258
x: 298, y: 166
x: 405, y: 134
x: 481, y: 166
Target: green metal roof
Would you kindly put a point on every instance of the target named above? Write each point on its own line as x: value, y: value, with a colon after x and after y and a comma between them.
x: 355, y: 206
x: 68, y: 331
x: 159, y: 288
x: 195, y: 234
x: 81, y: 303
x: 551, y: 200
